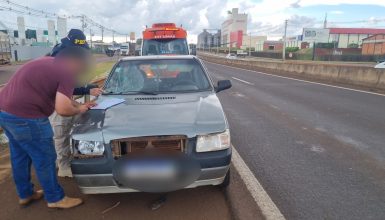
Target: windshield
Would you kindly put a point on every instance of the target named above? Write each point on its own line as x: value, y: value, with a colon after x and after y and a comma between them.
x: 157, y: 76
x: 165, y: 46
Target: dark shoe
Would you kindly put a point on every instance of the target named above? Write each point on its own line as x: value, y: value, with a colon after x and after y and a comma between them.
x: 36, y: 196
x: 66, y: 203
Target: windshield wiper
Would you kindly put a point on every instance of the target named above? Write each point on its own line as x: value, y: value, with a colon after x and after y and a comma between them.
x: 146, y: 93
x: 112, y: 93
x: 130, y: 93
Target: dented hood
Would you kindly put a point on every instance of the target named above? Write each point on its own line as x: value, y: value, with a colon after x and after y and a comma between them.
x: 138, y: 116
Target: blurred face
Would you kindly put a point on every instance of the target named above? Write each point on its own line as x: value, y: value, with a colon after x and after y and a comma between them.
x: 79, y: 66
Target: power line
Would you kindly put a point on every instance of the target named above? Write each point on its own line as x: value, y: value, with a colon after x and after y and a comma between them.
x: 15, y: 7
x: 25, y: 10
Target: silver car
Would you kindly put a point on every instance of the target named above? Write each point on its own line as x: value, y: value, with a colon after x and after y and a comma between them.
x: 169, y: 133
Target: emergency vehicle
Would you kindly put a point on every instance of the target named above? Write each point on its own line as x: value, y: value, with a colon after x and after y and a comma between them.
x: 164, y: 39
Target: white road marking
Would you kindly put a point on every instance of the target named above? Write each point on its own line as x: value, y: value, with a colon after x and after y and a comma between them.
x: 301, y: 80
x: 317, y: 148
x: 244, y: 81
x: 275, y: 107
x: 260, y: 196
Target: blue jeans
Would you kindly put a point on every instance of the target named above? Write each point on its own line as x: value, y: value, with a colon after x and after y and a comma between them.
x: 31, y: 142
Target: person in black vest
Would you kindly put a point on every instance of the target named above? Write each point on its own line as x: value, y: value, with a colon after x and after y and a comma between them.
x: 61, y: 124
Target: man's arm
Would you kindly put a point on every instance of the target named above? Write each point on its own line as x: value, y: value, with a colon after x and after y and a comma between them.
x: 66, y: 107
x: 89, y: 89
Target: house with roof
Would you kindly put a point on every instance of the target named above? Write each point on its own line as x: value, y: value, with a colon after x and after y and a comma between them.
x: 351, y: 37
x: 374, y: 45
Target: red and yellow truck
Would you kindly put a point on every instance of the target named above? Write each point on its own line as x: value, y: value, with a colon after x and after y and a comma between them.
x: 164, y: 39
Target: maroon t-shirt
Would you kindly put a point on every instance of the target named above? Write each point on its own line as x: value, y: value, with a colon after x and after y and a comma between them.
x: 31, y: 92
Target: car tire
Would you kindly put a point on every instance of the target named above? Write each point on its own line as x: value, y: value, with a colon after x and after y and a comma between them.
x: 226, y: 181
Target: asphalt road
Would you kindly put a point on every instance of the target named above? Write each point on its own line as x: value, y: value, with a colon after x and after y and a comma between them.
x: 318, y: 151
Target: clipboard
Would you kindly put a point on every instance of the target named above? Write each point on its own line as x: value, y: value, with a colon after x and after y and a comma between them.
x: 107, y: 103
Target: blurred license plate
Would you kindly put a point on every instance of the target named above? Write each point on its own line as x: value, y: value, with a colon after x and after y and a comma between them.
x: 150, y: 170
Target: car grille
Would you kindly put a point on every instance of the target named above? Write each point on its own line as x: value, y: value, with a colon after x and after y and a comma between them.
x: 138, y: 145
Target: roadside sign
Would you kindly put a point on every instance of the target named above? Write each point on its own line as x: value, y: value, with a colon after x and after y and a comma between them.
x: 318, y: 35
x: 132, y: 36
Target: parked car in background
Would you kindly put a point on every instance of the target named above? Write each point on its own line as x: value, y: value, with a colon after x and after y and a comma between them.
x: 170, y: 133
x: 380, y: 66
x: 231, y: 56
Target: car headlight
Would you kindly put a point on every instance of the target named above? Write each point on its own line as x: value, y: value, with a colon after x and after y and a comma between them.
x: 95, y: 148
x: 213, y: 142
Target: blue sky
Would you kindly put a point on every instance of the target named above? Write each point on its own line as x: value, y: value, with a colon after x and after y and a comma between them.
x: 270, y: 14
x: 345, y: 13
x: 266, y: 17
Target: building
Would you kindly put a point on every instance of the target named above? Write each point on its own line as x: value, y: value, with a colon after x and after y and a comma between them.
x: 216, y: 39
x: 5, y: 48
x: 234, y: 28
x: 351, y: 37
x: 252, y: 41
x: 374, y: 45
x: 342, y: 37
x: 272, y: 46
x: 208, y: 40
x: 295, y: 41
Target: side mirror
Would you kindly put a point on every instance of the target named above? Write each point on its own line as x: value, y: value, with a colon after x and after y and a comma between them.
x: 223, y: 85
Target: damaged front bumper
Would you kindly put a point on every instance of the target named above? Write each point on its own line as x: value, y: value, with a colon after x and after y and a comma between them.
x: 97, y: 176
x: 105, y: 183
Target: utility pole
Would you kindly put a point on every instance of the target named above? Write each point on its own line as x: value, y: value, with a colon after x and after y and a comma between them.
x: 284, y: 42
x: 250, y: 44
x: 91, y: 38
x: 229, y: 47
x: 326, y: 20
x: 126, y: 38
x: 83, y: 22
x: 102, y: 32
x: 314, y: 48
x: 113, y: 36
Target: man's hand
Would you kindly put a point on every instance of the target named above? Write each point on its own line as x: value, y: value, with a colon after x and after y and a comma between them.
x: 86, y: 106
x: 83, y: 108
x: 96, y: 91
x: 90, y: 104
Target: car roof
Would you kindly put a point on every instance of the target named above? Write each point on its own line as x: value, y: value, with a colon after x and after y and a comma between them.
x: 159, y: 57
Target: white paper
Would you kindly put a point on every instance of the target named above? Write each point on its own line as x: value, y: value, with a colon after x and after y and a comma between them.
x: 107, y: 103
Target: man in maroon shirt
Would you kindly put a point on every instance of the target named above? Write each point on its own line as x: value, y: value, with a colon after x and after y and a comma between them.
x: 30, y: 97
